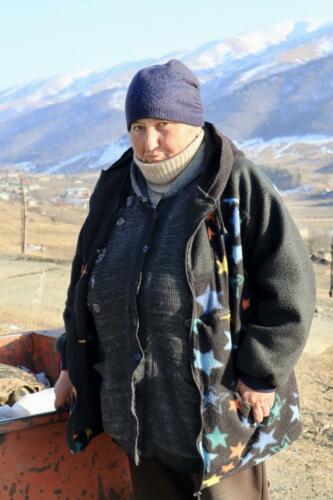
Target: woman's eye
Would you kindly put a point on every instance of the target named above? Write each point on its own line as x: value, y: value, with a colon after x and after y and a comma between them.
x: 137, y: 128
x: 163, y: 124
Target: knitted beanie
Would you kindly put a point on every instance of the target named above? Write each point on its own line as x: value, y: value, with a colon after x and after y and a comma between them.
x: 168, y: 91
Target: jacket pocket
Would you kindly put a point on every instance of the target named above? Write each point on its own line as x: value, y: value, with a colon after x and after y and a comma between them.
x: 232, y: 440
x: 228, y: 431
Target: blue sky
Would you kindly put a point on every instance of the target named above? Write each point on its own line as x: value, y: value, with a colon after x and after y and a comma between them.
x: 41, y: 38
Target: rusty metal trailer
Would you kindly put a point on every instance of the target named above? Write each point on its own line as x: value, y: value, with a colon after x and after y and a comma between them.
x: 35, y: 462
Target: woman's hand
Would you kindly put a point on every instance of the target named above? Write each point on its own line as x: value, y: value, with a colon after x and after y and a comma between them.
x: 261, y: 402
x: 64, y: 390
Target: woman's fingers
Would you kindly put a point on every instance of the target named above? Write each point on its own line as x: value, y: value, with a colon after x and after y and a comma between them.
x: 258, y: 414
x: 259, y: 411
x: 261, y: 402
x: 63, y: 390
x: 266, y: 410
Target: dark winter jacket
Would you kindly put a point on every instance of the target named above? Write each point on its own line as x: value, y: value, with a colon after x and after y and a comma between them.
x: 251, y: 314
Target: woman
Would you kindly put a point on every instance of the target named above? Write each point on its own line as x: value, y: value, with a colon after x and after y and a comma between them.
x: 190, y: 301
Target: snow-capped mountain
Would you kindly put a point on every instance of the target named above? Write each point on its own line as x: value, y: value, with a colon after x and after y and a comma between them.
x: 275, y: 82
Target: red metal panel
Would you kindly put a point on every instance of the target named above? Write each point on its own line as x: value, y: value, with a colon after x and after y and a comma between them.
x: 17, y: 349
x: 35, y: 464
x: 46, y: 358
x: 35, y: 350
x: 19, y: 424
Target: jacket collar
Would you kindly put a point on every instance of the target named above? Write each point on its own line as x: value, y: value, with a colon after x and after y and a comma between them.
x: 220, y: 154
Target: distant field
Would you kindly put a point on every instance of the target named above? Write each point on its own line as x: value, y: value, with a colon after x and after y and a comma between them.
x: 51, y: 230
x: 52, y: 226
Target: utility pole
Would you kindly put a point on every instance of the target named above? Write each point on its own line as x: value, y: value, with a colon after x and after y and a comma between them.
x: 331, y: 287
x: 23, y: 217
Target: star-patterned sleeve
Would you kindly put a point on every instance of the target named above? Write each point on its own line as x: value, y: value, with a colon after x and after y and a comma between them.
x: 281, y: 282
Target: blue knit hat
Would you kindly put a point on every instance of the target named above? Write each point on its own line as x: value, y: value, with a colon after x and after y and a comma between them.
x: 169, y: 91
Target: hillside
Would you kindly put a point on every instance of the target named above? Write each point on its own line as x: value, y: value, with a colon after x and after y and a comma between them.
x: 259, y: 86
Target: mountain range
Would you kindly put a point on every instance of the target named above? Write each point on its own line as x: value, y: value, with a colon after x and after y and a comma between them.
x: 257, y: 87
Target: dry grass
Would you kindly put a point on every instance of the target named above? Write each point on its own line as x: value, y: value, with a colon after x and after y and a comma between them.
x: 49, y: 230
x: 32, y: 294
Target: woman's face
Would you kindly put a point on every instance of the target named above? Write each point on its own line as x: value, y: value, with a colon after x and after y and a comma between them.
x: 155, y: 140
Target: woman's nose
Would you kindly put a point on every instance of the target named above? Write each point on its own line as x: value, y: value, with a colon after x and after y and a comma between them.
x: 151, y: 139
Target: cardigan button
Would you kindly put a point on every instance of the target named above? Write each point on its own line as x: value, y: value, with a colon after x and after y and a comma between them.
x: 129, y: 201
x: 96, y: 307
x: 120, y: 221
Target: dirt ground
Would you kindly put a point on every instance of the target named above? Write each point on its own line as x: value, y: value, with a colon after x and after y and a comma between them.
x: 306, y: 469
x: 32, y: 296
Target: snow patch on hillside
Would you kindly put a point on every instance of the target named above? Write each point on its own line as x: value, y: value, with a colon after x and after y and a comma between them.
x: 326, y: 45
x: 98, y: 158
x: 258, y: 143
x: 248, y: 75
x: 249, y: 43
x: 280, y: 146
x: 112, y: 153
x: 117, y: 100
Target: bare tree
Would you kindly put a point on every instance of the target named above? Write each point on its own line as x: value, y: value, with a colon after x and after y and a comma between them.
x: 23, y: 217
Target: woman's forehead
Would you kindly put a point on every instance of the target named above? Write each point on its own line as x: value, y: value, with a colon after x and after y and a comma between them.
x: 151, y: 121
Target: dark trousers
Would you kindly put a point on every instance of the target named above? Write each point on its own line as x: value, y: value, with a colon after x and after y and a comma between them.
x: 152, y: 480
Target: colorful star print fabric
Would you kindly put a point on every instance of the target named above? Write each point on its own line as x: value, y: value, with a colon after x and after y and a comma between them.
x: 230, y: 439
